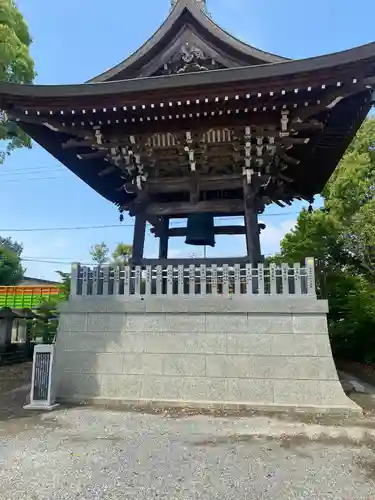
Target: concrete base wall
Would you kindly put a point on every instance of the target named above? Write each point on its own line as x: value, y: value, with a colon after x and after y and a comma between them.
x: 198, y: 351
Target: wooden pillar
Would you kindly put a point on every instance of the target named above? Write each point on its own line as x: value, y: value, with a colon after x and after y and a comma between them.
x: 139, y: 238
x: 164, y: 238
x: 251, y: 225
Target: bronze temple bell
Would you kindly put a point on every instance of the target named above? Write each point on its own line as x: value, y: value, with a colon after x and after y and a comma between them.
x: 200, y: 230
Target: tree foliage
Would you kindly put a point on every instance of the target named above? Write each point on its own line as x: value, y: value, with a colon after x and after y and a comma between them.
x: 11, y: 271
x: 350, y: 198
x: 16, y: 66
x: 122, y: 254
x: 12, y: 245
x: 44, y: 327
x: 341, y: 237
x: 65, y: 284
x: 99, y: 253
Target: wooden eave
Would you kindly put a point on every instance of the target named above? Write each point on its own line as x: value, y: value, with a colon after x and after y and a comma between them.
x: 270, y: 84
x: 317, y: 159
x: 186, y: 14
x: 357, y: 63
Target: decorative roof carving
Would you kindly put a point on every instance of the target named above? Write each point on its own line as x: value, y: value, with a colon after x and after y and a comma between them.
x: 189, y: 59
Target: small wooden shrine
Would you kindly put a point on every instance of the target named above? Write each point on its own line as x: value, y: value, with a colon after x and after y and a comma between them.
x: 196, y: 124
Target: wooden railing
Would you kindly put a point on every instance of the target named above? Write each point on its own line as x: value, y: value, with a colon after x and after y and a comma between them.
x: 192, y: 280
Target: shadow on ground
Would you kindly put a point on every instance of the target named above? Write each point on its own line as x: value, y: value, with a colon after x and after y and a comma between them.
x: 14, y: 390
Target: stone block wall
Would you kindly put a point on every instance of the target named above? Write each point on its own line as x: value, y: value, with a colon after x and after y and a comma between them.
x: 198, y: 350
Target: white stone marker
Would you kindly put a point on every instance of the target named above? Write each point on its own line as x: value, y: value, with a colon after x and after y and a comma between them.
x: 42, y: 395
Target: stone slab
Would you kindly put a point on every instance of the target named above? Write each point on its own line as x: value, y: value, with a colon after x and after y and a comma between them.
x: 196, y: 304
x: 217, y: 352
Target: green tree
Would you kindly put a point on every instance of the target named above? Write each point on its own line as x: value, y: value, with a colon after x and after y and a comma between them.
x: 44, y: 326
x: 65, y: 284
x: 122, y: 254
x: 11, y: 271
x: 99, y: 253
x: 12, y: 245
x: 350, y: 198
x: 341, y: 237
x: 16, y: 66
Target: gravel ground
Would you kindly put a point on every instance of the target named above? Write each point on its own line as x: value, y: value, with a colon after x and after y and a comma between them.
x: 90, y: 453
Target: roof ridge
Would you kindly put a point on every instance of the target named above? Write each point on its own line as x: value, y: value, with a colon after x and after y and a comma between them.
x: 178, y: 11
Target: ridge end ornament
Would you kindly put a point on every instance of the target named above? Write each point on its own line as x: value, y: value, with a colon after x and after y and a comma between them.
x: 202, y: 4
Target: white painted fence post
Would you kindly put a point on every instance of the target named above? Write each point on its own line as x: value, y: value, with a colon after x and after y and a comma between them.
x: 106, y: 277
x: 273, y: 283
x: 225, y: 279
x: 137, y: 280
x: 159, y: 280
x: 297, y: 279
x: 181, y: 276
x: 148, y: 280
x: 42, y: 395
x: 116, y: 280
x: 170, y: 276
x: 285, y: 278
x: 191, y: 279
x: 85, y: 280
x: 127, y: 278
x: 214, y: 279
x: 76, y: 270
x: 95, y: 280
x: 260, y: 278
x: 310, y: 273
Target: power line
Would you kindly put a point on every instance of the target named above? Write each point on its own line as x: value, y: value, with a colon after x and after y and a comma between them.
x: 31, y: 179
x: 46, y: 261
x: 27, y: 175
x: 77, y: 228
x: 28, y: 170
x: 42, y: 261
x: 109, y: 226
x: 48, y: 257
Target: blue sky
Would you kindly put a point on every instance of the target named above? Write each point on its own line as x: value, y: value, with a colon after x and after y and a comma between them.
x: 76, y: 39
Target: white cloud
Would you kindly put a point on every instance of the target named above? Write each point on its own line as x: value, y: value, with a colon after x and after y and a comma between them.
x: 273, y: 234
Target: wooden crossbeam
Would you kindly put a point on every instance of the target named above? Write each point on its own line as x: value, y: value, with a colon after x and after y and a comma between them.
x: 180, y: 232
x: 170, y: 185
x: 93, y: 155
x: 176, y: 209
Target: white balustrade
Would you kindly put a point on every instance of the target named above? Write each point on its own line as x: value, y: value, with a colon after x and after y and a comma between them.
x: 200, y: 279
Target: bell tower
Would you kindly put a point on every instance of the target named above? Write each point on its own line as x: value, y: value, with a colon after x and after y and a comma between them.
x: 202, y: 4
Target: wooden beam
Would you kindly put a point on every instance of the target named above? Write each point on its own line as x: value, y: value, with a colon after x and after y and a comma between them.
x: 308, y: 125
x: 164, y: 238
x: 175, y: 209
x: 154, y: 221
x: 303, y: 113
x: 108, y: 170
x: 295, y: 140
x: 193, y: 261
x: 83, y: 143
x: 179, y: 232
x: 170, y: 185
x: 139, y: 238
x: 194, y: 188
x: 93, y: 155
x: 290, y: 159
x: 251, y: 224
